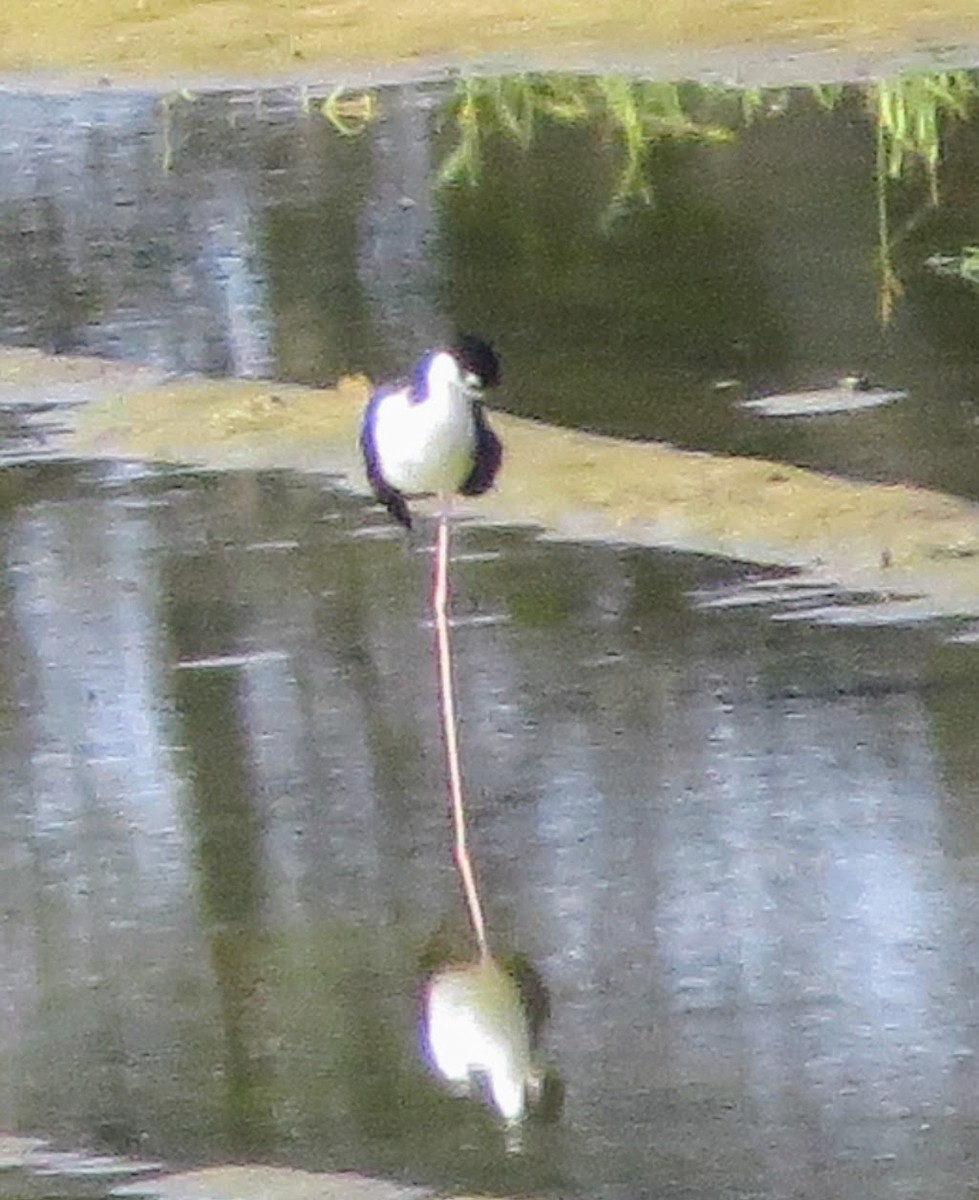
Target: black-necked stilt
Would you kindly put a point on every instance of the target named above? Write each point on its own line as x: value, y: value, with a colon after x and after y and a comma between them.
x: 430, y: 435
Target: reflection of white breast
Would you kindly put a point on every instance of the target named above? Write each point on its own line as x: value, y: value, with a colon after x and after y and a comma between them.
x: 476, y: 1027
x: 427, y: 445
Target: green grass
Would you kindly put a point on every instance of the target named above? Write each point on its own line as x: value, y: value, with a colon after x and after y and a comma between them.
x: 910, y: 114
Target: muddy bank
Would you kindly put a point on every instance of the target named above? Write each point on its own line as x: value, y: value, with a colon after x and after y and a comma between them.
x: 29, y: 1166
x: 163, y: 40
x: 730, y: 65
x: 896, y: 540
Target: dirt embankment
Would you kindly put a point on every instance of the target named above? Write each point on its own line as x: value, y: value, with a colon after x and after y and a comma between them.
x: 162, y: 41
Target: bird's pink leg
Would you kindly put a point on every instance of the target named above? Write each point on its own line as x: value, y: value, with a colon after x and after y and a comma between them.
x: 450, y: 730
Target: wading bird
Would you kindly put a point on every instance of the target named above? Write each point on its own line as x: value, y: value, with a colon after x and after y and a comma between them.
x: 430, y: 436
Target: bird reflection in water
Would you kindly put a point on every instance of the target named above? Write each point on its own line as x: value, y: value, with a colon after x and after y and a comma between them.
x: 481, y: 1025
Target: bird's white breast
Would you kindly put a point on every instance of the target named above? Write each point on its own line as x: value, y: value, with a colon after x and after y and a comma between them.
x: 426, y: 445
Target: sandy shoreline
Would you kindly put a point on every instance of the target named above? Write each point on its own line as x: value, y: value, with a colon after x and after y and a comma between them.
x: 733, y: 66
x: 918, y: 550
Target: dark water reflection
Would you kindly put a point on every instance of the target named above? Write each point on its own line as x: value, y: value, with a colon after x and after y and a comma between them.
x: 244, y: 234
x: 742, y: 853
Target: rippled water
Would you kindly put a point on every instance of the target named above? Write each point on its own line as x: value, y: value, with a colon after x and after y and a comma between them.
x: 740, y: 852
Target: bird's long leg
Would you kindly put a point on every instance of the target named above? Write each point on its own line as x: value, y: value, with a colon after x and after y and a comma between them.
x: 450, y: 730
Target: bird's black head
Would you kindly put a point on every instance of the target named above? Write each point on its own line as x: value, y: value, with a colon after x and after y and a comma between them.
x: 479, y: 357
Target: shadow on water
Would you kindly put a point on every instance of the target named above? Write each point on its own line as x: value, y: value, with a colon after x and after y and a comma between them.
x: 740, y: 853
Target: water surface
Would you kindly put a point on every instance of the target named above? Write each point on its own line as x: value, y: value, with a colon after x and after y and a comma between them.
x: 741, y: 852
x: 643, y: 296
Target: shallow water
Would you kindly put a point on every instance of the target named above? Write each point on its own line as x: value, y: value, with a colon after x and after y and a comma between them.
x: 741, y: 852
x: 242, y: 233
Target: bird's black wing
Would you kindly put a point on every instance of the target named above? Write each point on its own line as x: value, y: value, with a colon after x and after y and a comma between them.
x: 390, y: 497
x: 487, y: 459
